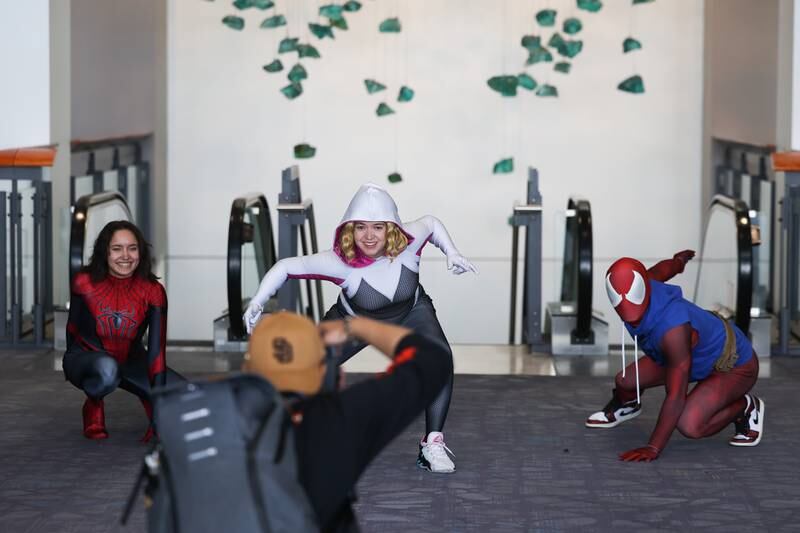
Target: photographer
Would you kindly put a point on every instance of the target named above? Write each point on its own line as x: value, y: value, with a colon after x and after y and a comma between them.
x: 338, y: 433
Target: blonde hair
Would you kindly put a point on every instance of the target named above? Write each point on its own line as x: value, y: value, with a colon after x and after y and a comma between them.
x: 396, y: 241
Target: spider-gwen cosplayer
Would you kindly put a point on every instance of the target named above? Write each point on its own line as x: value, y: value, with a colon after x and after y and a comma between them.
x: 683, y: 343
x: 375, y: 260
x: 114, y: 300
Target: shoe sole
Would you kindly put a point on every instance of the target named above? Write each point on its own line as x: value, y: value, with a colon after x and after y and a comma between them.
x: 428, y: 469
x: 761, y: 408
x: 615, y: 423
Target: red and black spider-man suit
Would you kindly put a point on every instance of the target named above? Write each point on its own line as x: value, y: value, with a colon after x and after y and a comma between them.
x: 107, y: 321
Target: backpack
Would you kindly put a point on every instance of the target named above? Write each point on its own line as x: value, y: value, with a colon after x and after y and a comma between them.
x: 225, y: 461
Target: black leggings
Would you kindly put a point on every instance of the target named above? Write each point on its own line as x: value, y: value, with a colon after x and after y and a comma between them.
x: 421, y: 319
x: 98, y: 374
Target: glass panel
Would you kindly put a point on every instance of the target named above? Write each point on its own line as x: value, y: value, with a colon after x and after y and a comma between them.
x: 110, y: 181
x: 718, y: 276
x: 744, y: 191
x: 83, y: 186
x: 27, y: 191
x: 133, y: 192
x: 762, y: 260
x: 250, y: 277
x: 96, y: 219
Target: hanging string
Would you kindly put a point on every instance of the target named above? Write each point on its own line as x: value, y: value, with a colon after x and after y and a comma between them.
x: 636, y: 364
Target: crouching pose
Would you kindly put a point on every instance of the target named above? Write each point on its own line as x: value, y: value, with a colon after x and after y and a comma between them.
x: 375, y: 260
x: 682, y: 343
x: 115, y: 299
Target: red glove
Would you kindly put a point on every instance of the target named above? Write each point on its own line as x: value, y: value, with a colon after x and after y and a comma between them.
x: 684, y: 256
x: 647, y: 453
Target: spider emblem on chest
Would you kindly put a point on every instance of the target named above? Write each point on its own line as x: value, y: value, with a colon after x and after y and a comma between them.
x: 117, y: 323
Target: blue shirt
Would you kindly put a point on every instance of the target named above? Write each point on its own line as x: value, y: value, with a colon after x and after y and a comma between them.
x: 668, y: 309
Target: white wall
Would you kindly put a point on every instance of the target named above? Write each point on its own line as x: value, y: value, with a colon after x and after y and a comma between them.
x: 114, y: 49
x: 636, y: 157
x: 743, y: 69
x: 796, y: 79
x: 25, y: 89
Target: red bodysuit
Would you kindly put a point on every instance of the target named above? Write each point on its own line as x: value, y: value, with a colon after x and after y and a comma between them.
x: 112, y: 315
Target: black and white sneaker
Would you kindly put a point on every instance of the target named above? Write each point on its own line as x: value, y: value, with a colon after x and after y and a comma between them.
x: 750, y: 424
x: 614, y: 413
x: 433, y: 455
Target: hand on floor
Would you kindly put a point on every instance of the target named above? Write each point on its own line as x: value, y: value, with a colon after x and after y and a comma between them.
x: 646, y: 453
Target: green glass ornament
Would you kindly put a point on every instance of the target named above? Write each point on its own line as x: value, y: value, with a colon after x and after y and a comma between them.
x: 391, y: 25
x: 304, y: 151
x: 395, y: 177
x: 373, y: 86
x: 531, y: 42
x: 292, y: 91
x: 306, y: 50
x: 297, y: 74
x: 562, y: 67
x: 321, y: 31
x: 331, y: 11
x: 592, y: 6
x: 406, y: 94
x: 504, y: 166
x: 556, y: 41
x: 572, y: 26
x: 352, y: 6
x: 539, y: 55
x: 546, y: 17
x: 274, y: 22
x: 235, y: 23
x: 547, y: 90
x: 275, y: 66
x: 634, y: 85
x: 526, y: 82
x: 630, y: 44
x: 384, y: 110
x: 642, y: 1
x: 505, y: 85
x: 570, y: 48
x: 288, y: 44
x: 340, y: 23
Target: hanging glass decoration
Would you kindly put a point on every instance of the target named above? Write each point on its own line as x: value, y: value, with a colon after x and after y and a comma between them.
x: 630, y: 44
x: 292, y: 91
x: 505, y: 85
x: 592, y: 6
x: 546, y: 17
x: 563, y: 67
x: 297, y: 74
x: 395, y: 177
x: 321, y: 31
x: 504, y: 166
x: 391, y: 25
x: 572, y: 26
x: 547, y: 90
x: 384, y: 110
x: 526, y: 82
x: 406, y: 94
x: 634, y: 85
x: 275, y: 66
x: 274, y: 22
x: 288, y: 44
x: 373, y: 86
x: 306, y: 50
x: 304, y: 151
x: 233, y: 22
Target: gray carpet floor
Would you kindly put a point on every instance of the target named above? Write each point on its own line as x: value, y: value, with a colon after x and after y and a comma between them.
x: 525, y: 463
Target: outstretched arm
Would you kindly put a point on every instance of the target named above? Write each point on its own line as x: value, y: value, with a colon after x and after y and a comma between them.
x: 676, y: 345
x: 157, y: 339
x: 324, y: 265
x: 441, y: 239
x: 669, y: 268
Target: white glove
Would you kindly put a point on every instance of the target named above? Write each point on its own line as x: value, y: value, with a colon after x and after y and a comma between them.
x: 459, y: 264
x: 251, y: 316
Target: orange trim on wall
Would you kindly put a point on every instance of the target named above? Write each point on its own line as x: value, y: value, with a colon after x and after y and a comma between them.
x: 786, y: 161
x: 39, y: 156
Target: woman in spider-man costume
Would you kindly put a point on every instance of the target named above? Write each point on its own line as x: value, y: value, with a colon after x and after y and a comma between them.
x: 115, y: 299
x: 683, y: 343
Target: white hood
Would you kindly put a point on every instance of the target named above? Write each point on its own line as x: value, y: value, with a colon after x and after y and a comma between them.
x: 372, y: 203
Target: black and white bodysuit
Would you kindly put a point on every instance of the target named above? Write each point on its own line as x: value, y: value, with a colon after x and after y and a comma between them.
x: 382, y: 288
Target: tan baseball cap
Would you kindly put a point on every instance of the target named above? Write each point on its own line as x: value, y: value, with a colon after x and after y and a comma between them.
x: 286, y: 349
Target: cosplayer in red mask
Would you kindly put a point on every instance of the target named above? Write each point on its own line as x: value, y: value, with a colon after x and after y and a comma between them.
x: 682, y: 343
